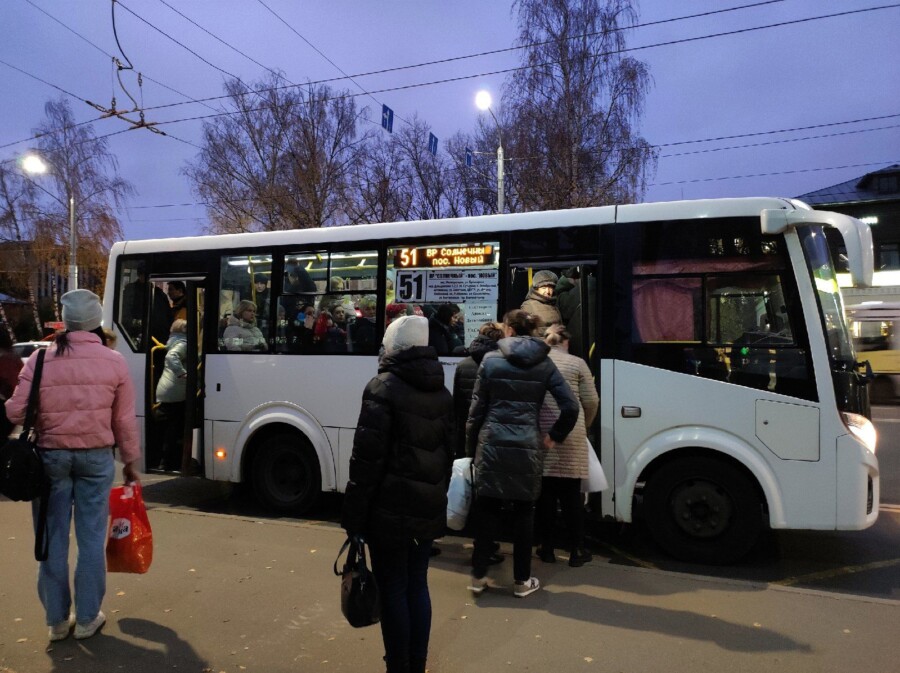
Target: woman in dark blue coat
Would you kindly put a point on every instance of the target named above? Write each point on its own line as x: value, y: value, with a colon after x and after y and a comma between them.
x: 503, y: 436
x: 397, y: 494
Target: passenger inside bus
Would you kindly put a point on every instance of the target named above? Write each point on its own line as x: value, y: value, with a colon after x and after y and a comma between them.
x: 540, y: 300
x: 242, y: 334
x: 363, y: 332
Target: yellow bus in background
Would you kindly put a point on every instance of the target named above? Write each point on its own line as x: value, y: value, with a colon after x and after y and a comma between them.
x: 875, y: 328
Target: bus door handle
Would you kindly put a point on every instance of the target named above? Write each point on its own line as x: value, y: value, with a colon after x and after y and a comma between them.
x: 631, y: 412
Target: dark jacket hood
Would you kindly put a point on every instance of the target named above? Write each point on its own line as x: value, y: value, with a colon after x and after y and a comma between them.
x: 418, y: 366
x: 480, y: 346
x: 523, y: 352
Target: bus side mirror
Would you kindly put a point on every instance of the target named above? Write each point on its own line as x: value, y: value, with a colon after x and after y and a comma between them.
x: 867, y: 376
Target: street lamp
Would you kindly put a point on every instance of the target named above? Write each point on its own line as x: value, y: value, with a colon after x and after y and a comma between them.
x: 483, y: 102
x: 35, y: 165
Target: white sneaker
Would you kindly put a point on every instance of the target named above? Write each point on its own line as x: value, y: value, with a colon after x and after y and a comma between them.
x: 61, y: 630
x: 83, y: 631
x: 477, y: 585
x: 524, y: 588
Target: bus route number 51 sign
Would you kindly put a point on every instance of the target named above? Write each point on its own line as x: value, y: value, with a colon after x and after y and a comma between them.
x: 411, y: 286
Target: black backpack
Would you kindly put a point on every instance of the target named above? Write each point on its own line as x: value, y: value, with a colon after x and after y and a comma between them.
x: 22, y: 474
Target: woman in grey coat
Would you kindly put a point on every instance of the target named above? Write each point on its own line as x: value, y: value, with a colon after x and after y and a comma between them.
x: 503, y: 435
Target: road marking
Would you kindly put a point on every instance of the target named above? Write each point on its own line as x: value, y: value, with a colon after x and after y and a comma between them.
x: 837, y: 572
x: 893, y: 509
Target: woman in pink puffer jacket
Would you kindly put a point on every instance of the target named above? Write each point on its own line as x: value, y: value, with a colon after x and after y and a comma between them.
x: 86, y: 407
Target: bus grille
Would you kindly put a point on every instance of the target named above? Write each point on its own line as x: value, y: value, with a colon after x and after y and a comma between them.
x: 870, y: 497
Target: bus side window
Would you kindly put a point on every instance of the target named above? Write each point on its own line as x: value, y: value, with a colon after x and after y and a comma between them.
x: 243, y: 309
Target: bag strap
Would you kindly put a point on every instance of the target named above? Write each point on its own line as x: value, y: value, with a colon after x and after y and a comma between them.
x: 34, y: 395
x: 344, y: 546
x: 41, y: 535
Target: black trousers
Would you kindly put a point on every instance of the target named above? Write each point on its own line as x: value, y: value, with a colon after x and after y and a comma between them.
x: 487, y: 529
x: 567, y: 492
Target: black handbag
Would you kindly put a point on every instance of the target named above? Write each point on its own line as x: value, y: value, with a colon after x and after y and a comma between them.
x: 360, y: 599
x: 22, y: 474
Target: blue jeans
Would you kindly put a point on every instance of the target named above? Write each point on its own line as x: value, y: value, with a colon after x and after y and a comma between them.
x: 81, y: 480
x: 402, y: 575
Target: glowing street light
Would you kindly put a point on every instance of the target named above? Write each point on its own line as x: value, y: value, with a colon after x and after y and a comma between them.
x: 483, y: 102
x: 35, y: 165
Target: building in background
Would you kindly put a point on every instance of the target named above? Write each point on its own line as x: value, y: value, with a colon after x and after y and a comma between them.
x: 873, y: 198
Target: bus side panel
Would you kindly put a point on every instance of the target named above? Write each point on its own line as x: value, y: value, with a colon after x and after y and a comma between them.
x: 690, y: 411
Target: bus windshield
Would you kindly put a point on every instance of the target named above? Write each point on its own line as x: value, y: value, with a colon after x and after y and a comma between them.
x: 821, y: 266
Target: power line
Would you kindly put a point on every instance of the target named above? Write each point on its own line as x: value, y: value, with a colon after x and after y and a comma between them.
x: 777, y: 142
x: 183, y: 46
x: 503, y: 71
x: 539, y: 65
x: 322, y: 54
x: 763, y: 175
x: 108, y: 55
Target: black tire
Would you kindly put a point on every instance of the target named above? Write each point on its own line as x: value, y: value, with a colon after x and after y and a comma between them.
x: 703, y: 510
x: 285, y: 474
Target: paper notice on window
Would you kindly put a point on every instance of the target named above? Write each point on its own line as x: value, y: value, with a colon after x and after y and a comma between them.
x: 462, y: 286
x: 475, y: 316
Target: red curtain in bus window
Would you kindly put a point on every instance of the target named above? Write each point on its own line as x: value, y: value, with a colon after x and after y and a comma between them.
x: 664, y: 309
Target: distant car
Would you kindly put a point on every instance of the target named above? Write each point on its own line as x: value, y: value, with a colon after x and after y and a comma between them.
x: 26, y: 348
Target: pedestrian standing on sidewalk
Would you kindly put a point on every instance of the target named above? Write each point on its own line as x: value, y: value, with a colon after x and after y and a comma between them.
x: 504, y: 437
x: 10, y: 365
x: 86, y: 406
x: 396, y: 498
x: 566, y: 464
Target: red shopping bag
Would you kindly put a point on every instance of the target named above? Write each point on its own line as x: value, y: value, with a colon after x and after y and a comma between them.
x: 129, y: 543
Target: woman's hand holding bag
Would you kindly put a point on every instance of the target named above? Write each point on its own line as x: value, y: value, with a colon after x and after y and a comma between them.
x: 360, y: 599
x: 129, y: 544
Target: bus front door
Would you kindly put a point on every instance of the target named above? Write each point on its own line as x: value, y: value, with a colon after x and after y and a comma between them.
x: 175, y: 362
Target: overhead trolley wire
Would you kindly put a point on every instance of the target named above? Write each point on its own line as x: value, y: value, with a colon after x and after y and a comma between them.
x: 539, y: 65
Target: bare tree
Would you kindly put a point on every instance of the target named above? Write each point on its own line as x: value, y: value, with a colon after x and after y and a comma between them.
x: 279, y: 159
x: 16, y: 193
x: 570, y: 117
x: 381, y: 187
x: 81, y: 168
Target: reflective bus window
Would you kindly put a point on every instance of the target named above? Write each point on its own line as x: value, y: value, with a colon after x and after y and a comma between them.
x: 244, y: 307
x: 714, y: 299
x: 327, y: 303
x: 454, y: 285
x: 133, y: 302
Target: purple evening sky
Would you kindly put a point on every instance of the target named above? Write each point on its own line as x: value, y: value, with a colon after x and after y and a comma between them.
x: 813, y: 75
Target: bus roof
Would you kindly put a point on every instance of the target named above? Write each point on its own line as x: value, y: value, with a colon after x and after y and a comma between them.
x: 465, y: 226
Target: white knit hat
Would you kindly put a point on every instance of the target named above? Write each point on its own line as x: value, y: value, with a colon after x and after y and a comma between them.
x: 405, y: 332
x: 81, y: 310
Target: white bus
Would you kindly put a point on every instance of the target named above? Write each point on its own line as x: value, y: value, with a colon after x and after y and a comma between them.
x: 730, y: 394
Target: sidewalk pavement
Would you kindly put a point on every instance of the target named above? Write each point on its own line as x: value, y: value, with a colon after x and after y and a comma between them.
x: 233, y: 594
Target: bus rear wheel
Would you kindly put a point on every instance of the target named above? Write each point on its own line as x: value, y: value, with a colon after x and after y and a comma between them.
x: 703, y: 510
x: 285, y: 474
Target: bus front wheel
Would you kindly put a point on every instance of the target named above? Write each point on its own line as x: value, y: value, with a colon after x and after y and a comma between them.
x: 703, y: 510
x: 285, y: 474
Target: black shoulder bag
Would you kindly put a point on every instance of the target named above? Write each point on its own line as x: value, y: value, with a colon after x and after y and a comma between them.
x: 21, y: 468
x: 360, y: 600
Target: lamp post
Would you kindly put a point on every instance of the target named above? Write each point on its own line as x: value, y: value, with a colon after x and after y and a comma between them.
x: 483, y: 102
x: 35, y: 165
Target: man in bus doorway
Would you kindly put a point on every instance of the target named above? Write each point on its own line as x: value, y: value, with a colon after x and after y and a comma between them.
x: 540, y: 300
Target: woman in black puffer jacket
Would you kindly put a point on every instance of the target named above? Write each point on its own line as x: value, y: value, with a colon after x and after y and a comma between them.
x: 464, y: 379
x: 503, y: 435
x: 397, y: 494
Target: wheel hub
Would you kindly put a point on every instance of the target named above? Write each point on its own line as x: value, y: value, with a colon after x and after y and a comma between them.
x: 701, y: 508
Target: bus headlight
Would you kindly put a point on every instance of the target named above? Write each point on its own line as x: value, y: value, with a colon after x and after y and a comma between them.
x: 863, y: 429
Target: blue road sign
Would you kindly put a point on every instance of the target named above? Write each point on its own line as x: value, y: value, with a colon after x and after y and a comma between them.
x: 387, y: 118
x: 432, y: 143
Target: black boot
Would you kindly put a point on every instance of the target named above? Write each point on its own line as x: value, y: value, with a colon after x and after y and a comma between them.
x: 579, y: 557
x: 416, y: 665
